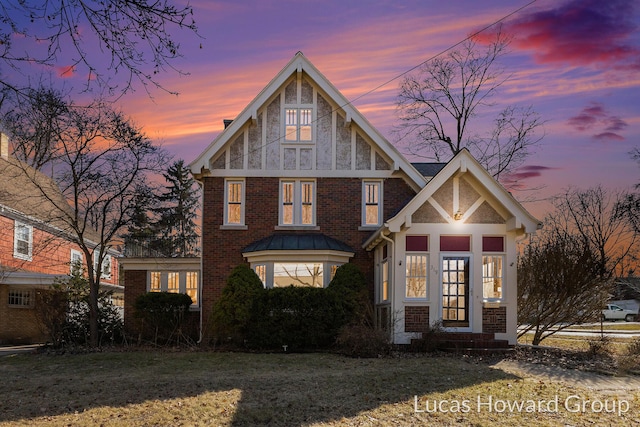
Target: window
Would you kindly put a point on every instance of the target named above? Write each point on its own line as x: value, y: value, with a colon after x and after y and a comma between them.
x: 384, y: 291
x: 22, y: 241
x: 105, y: 267
x: 154, y: 282
x: 297, y: 203
x: 234, y: 206
x: 371, y: 203
x: 298, y: 274
x: 76, y: 261
x: 173, y: 282
x: 261, y: 271
x: 20, y: 298
x: 185, y: 282
x: 191, y: 287
x: 316, y: 274
x: 492, y: 277
x: 416, y: 274
x: 298, y: 124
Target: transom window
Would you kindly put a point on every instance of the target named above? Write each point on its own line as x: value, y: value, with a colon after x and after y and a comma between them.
x: 184, y: 282
x: 297, y: 206
x: 371, y: 203
x: 22, y: 241
x: 298, y: 124
x: 234, y: 207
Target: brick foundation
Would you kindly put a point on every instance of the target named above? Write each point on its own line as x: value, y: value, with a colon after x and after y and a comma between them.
x: 416, y: 318
x: 494, y: 320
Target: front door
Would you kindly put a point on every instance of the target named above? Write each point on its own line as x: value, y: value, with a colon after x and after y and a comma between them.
x: 455, y: 291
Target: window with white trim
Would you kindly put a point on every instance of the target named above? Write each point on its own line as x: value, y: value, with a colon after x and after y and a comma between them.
x: 297, y: 202
x: 298, y: 124
x: 22, y: 241
x: 384, y: 288
x: 20, y: 298
x: 307, y: 273
x: 371, y: 203
x: 105, y: 267
x: 492, y: 277
x: 76, y: 261
x: 184, y: 282
x: 416, y: 275
x: 234, y: 202
x: 191, y: 286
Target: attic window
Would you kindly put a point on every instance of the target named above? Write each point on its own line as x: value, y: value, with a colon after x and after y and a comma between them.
x: 298, y: 124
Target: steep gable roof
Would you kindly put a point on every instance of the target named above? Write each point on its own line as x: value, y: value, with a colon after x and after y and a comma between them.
x: 298, y: 65
x: 31, y: 194
x: 515, y: 215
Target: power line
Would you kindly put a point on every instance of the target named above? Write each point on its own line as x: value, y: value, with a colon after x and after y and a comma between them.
x: 380, y: 86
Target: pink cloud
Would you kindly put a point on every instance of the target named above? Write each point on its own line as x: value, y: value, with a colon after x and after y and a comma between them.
x: 595, y: 117
x: 580, y: 32
x: 608, y: 136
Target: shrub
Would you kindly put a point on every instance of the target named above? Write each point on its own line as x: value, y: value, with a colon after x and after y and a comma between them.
x: 298, y: 317
x: 63, y: 312
x: 431, y: 338
x: 350, y: 287
x: 164, y: 314
x: 600, y: 347
x: 629, y: 362
x: 233, y: 312
x: 363, y: 341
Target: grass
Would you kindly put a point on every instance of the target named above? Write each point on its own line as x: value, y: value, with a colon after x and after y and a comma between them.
x: 207, y: 388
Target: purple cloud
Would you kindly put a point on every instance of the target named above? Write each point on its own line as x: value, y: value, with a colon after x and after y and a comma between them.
x: 581, y: 32
x: 596, y: 118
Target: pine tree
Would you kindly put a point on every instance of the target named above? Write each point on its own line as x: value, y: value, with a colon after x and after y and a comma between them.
x: 178, y: 211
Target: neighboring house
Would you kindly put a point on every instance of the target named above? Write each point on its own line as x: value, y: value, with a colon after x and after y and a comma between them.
x: 35, y: 249
x: 301, y: 183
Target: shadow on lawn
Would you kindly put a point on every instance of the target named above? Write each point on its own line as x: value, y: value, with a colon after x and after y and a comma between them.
x: 274, y: 389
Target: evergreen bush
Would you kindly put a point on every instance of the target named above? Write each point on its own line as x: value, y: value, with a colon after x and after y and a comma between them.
x: 163, y: 313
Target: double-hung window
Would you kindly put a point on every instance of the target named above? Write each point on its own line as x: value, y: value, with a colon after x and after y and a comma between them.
x: 297, y: 202
x: 492, y: 268
x: 234, y: 206
x: 298, y: 124
x: 76, y: 261
x: 371, y: 203
x: 417, y: 266
x: 105, y: 267
x: 22, y: 241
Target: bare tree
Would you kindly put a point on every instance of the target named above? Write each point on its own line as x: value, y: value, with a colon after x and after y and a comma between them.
x: 598, y: 216
x: 101, y: 163
x: 558, y: 284
x: 437, y: 106
x: 130, y: 35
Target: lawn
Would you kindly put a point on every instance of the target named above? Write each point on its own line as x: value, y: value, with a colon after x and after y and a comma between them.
x: 213, y: 388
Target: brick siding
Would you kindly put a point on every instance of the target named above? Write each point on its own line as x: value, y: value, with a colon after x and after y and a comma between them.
x: 494, y: 320
x: 416, y: 318
x: 338, y: 214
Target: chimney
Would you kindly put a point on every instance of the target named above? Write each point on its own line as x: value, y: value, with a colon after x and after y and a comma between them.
x: 4, y: 145
x: 227, y: 122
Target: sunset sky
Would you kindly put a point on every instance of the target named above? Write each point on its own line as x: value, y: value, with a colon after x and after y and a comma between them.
x: 576, y: 62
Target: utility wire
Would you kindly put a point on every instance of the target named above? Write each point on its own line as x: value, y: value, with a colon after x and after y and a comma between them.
x: 380, y: 86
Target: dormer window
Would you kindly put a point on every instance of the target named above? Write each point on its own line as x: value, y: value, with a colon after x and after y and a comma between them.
x: 298, y: 124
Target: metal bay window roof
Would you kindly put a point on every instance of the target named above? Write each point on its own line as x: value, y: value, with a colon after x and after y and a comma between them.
x: 297, y: 242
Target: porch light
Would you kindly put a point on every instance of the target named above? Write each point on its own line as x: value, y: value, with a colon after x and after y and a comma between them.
x: 457, y: 216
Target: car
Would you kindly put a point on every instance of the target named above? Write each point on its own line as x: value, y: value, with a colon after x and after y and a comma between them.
x: 614, y: 312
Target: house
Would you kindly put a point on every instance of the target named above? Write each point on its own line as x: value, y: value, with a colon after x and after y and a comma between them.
x: 35, y: 248
x: 300, y: 183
